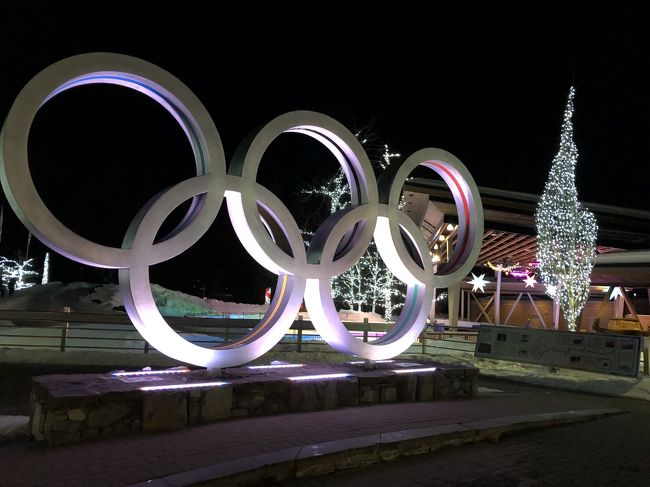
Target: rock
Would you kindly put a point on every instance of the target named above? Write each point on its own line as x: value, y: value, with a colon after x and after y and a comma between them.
x: 424, y: 390
x: 58, y: 421
x: 76, y: 414
x: 303, y: 396
x: 36, y: 421
x: 216, y: 404
x: 107, y: 414
x: 164, y: 411
x: 406, y: 388
x: 388, y: 393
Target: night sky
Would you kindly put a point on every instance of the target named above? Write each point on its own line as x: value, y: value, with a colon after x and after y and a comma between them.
x: 488, y: 85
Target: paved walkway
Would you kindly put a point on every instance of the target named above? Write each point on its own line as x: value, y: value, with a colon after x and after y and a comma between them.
x: 613, y: 451
x: 133, y: 459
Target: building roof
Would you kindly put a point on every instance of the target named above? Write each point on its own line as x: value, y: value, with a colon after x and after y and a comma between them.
x: 510, y: 229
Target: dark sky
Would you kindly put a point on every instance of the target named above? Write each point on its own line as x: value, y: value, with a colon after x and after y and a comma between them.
x: 488, y: 85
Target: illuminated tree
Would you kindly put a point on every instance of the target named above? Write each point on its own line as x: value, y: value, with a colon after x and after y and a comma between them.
x: 19, y: 271
x: 45, y: 278
x: 566, y: 231
x: 368, y: 284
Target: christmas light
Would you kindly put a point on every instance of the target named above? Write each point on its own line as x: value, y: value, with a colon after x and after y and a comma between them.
x: 502, y: 267
x: 368, y: 284
x: 530, y: 281
x: 478, y: 282
x: 566, y: 230
x: 18, y: 272
x: 45, y: 278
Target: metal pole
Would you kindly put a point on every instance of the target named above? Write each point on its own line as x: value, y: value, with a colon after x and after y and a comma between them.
x: 64, y: 330
x: 497, y: 304
x: 299, y: 339
x: 365, y: 331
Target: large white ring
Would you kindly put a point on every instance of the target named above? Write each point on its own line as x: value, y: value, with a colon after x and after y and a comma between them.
x: 262, y: 222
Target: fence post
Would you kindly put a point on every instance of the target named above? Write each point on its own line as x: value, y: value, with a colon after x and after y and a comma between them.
x: 299, y: 338
x: 64, y: 329
x: 226, y: 336
x: 146, y: 346
x: 366, y: 329
x: 423, y: 339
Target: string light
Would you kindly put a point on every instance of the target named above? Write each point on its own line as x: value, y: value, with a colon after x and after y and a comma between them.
x: 566, y: 231
x: 501, y: 267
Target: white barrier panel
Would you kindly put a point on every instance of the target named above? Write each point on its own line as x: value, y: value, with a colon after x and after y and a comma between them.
x: 595, y: 352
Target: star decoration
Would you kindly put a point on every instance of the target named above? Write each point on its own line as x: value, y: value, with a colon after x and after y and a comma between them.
x: 530, y: 281
x: 478, y: 282
x: 616, y: 293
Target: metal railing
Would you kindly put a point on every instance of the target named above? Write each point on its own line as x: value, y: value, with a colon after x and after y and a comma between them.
x: 69, y: 330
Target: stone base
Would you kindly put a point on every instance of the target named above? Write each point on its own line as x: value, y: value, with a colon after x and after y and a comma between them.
x: 70, y: 408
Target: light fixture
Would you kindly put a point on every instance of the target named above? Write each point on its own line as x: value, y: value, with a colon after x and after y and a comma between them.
x: 450, y: 227
x: 358, y: 362
x: 171, y: 387
x: 435, y: 258
x: 435, y: 247
x: 441, y: 238
x: 317, y: 377
x: 411, y: 371
x: 275, y: 366
x: 150, y: 372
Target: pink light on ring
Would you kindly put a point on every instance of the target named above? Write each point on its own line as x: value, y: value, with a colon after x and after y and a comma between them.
x: 519, y: 274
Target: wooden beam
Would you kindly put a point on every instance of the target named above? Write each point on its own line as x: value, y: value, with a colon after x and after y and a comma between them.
x: 513, y: 308
x: 539, y: 315
x: 483, y: 310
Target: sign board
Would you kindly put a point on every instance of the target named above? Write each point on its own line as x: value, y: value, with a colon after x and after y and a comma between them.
x: 595, y: 352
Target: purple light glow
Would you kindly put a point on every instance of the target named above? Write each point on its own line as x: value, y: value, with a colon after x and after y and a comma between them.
x: 277, y: 366
x: 519, y: 274
x: 149, y: 372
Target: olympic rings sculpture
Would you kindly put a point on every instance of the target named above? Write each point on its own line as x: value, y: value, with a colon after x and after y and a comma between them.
x: 261, y: 221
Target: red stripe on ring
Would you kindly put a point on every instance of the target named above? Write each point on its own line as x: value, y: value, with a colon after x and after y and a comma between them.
x: 465, y: 207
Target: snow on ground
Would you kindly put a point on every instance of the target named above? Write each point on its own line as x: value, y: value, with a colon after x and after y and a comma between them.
x: 561, y: 378
x: 13, y: 426
x: 105, y: 298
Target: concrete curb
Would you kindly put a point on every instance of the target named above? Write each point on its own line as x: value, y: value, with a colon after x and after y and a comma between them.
x: 358, y: 452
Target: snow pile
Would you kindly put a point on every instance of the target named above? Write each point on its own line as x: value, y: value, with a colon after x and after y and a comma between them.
x: 54, y: 296
x: 105, y: 298
x: 175, y: 303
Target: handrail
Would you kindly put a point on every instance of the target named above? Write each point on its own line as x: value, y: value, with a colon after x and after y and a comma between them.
x: 65, y: 330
